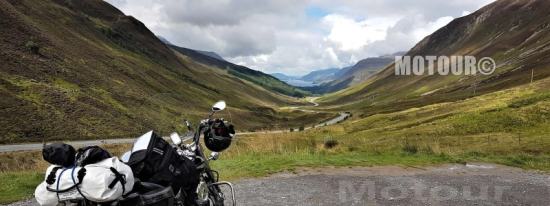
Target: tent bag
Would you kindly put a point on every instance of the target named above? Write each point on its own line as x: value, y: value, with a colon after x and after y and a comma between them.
x: 104, y: 181
x: 59, y: 154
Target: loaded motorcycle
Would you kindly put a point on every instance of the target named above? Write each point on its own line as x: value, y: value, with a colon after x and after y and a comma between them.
x: 161, y: 173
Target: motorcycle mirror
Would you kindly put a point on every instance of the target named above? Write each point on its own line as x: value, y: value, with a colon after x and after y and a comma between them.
x: 219, y: 106
x: 126, y: 157
x: 176, y: 139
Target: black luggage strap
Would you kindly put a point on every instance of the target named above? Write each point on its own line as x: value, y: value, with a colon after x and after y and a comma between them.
x: 118, y: 178
x: 51, y: 177
x: 80, y: 176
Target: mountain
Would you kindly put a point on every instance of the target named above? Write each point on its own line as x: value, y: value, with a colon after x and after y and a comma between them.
x: 365, y: 68
x: 334, y: 79
x: 81, y: 69
x: 516, y: 33
x: 294, y: 81
x: 211, y: 54
x: 164, y: 40
x: 349, y: 76
x: 320, y: 76
x: 283, y: 77
x: 267, y: 81
x: 207, y: 53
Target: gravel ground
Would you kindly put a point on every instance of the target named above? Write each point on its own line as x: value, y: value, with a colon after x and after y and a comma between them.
x: 471, y: 184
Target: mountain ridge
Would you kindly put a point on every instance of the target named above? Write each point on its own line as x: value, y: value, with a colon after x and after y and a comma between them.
x: 514, y: 33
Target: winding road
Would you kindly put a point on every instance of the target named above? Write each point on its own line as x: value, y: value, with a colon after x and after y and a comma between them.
x: 38, y: 146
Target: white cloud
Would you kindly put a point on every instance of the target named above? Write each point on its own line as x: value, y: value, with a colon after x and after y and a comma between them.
x: 279, y: 35
x: 349, y: 34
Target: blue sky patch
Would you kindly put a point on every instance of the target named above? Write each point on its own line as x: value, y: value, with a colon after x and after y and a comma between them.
x: 315, y: 12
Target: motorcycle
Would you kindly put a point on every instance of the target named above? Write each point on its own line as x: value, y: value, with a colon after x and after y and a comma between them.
x: 208, y: 191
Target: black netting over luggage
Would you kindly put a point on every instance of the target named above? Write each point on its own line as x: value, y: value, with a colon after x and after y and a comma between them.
x: 154, y: 160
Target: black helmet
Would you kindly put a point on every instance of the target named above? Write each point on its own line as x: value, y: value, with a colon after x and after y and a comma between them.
x: 218, y: 136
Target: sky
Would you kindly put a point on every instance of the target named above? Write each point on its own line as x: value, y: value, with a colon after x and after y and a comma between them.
x: 296, y: 37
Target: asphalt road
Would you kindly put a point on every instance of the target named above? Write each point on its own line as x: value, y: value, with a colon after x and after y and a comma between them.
x: 83, y: 143
x: 452, y: 184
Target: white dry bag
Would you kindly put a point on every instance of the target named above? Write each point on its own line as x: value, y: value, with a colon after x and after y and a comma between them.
x: 104, y: 181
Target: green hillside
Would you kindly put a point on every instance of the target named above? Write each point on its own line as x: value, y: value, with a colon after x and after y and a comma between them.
x: 82, y: 69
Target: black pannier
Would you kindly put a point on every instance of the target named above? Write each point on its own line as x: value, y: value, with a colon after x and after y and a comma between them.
x: 59, y: 154
x: 154, y: 160
x: 148, y: 194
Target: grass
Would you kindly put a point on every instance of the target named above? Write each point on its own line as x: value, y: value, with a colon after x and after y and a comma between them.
x: 258, y: 165
x: 509, y: 127
x: 18, y: 185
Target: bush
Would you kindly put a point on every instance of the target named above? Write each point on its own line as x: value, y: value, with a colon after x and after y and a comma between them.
x: 33, y: 47
x: 410, y: 149
x: 301, y: 128
x: 331, y: 143
x: 533, y: 99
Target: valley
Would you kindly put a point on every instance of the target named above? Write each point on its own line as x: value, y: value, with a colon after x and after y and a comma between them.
x: 86, y: 73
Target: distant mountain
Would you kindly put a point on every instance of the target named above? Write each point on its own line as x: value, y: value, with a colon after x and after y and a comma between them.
x: 365, y: 68
x: 334, y: 79
x: 293, y: 80
x: 164, y: 40
x: 311, y: 79
x: 265, y: 80
x: 337, y: 79
x: 400, y: 53
x: 320, y: 76
x: 284, y: 77
x: 211, y: 54
x: 207, y: 53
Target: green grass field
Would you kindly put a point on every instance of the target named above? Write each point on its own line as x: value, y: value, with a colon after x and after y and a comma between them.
x: 18, y: 185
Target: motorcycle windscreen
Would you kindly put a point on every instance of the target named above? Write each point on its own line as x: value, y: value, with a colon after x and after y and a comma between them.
x: 139, y: 150
x: 142, y: 143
